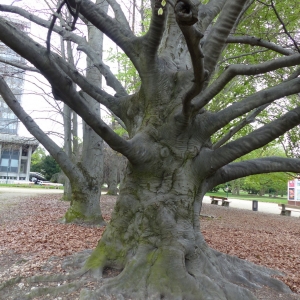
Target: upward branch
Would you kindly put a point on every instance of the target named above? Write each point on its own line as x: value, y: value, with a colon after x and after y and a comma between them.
x: 62, y: 84
x: 254, y: 41
x: 215, y: 41
x: 186, y: 16
x: 151, y: 40
x: 245, y: 70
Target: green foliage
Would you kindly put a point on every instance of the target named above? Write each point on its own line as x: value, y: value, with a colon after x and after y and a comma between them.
x: 260, y: 21
x: 120, y: 131
x: 46, y: 166
x: 127, y: 73
x: 37, y: 156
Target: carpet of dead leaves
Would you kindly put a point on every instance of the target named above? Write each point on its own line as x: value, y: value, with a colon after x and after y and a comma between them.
x: 31, y: 233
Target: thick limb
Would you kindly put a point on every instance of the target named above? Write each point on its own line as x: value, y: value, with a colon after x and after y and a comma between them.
x: 256, y: 139
x: 215, y: 41
x: 118, y: 33
x: 246, y: 70
x: 269, y: 95
x: 256, y: 166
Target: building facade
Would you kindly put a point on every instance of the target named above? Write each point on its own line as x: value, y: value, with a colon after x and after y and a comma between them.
x: 15, y: 159
x: 15, y: 150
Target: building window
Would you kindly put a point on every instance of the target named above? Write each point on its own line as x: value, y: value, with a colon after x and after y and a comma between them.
x: 9, y: 160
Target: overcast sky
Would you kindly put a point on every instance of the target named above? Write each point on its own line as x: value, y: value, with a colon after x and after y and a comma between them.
x: 37, y: 97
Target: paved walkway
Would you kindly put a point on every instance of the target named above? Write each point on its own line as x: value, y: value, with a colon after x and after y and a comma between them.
x: 265, y: 207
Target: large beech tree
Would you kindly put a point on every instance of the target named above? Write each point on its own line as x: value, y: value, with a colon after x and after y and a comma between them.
x: 154, y: 235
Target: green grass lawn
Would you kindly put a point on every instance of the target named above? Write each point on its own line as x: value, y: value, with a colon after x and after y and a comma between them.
x: 246, y: 196
x: 35, y: 186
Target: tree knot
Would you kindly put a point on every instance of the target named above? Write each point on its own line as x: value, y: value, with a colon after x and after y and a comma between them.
x: 186, y: 13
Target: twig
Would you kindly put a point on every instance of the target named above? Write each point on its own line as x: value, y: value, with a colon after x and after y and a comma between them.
x: 52, y: 25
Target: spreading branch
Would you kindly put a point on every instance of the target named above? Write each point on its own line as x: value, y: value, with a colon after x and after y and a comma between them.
x: 62, y: 85
x: 119, y: 15
x: 10, y: 36
x: 256, y: 139
x: 118, y: 33
x: 246, y: 70
x: 249, y: 119
x: 208, y: 12
x: 253, y: 101
x: 19, y: 66
x: 252, y: 167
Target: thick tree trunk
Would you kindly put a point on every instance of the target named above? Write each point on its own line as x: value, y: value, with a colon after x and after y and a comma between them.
x: 154, y: 238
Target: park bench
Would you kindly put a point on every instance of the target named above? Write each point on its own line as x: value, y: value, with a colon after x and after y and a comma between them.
x: 215, y: 200
x: 286, y: 209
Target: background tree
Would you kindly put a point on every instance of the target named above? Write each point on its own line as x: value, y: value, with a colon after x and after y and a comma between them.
x: 37, y: 156
x: 47, y: 166
x: 83, y: 188
x: 177, y: 149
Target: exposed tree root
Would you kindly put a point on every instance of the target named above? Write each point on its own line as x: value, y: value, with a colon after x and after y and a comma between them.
x: 166, y: 273
x: 163, y: 273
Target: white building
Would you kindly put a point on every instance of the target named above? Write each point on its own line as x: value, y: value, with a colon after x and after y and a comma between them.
x: 15, y: 157
x: 15, y: 151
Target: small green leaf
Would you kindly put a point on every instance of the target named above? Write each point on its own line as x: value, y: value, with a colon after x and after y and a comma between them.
x: 160, y: 11
x: 163, y: 2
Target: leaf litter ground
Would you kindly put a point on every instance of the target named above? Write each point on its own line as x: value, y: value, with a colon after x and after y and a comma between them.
x: 34, y: 241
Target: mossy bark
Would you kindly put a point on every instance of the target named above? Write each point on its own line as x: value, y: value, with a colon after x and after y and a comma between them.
x: 85, y: 205
x: 154, y: 238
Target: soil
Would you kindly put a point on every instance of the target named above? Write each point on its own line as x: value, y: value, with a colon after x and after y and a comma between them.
x: 34, y: 242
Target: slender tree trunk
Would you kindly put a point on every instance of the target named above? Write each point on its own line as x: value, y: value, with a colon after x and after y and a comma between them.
x: 86, y: 195
x: 67, y: 148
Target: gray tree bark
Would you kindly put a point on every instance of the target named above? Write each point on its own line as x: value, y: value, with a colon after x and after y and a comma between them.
x: 154, y: 235
x: 92, y: 150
